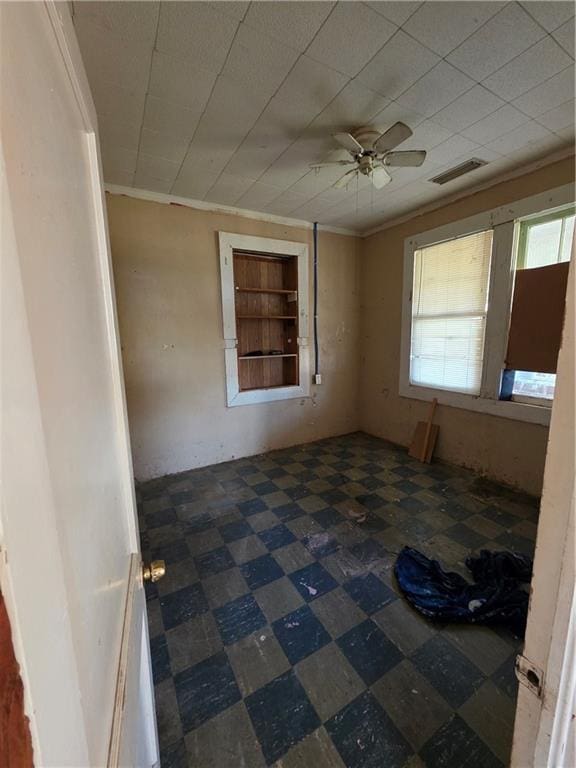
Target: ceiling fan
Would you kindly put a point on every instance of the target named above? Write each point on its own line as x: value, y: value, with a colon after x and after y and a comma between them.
x: 371, y: 152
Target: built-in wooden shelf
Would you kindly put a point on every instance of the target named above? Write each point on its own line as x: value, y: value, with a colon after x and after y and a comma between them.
x: 264, y: 357
x: 266, y: 308
x: 266, y: 317
x: 264, y: 290
x: 270, y: 386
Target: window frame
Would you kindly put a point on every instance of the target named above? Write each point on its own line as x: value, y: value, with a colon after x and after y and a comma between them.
x: 228, y: 243
x: 505, y: 223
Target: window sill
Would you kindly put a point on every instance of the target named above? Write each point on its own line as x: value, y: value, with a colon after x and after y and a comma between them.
x: 505, y: 409
x: 256, y: 396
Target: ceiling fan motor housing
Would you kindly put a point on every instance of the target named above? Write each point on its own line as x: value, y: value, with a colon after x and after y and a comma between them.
x: 366, y: 136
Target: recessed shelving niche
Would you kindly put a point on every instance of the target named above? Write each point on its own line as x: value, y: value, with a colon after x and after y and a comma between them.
x: 266, y: 309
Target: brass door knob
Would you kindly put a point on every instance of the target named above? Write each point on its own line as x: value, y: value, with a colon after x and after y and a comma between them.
x: 154, y: 571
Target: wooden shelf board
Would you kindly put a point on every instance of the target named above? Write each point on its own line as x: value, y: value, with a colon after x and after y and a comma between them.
x: 265, y: 290
x: 266, y: 317
x: 265, y: 357
x: 275, y: 386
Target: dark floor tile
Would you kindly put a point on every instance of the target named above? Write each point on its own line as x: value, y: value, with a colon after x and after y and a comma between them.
x: 281, y: 715
x: 369, y: 651
x: 205, y: 690
x: 371, y: 501
x: 261, y: 571
x: 246, y: 469
x: 252, y: 507
x: 182, y: 605
x: 407, y: 486
x: 516, y: 543
x: 455, y: 510
x: 449, y: 671
x: 300, y: 634
x: 368, y: 552
x: 333, y: 496
x: 238, y: 529
x: 500, y: 516
x: 366, y: 737
x: 370, y: 468
x: 239, y: 618
x: 171, y: 552
x: 370, y: 483
x: 404, y: 471
x: 174, y: 755
x: 327, y: 517
x: 263, y: 489
x: 287, y: 512
x: 312, y: 581
x: 464, y: 535
x: 167, y: 713
x: 160, y: 659
x: 455, y: 745
x: 196, y: 523
x: 412, y: 504
x: 161, y: 517
x: 277, y: 537
x: 297, y: 492
x: 183, y: 497
x: 369, y: 593
x: 505, y: 677
x: 215, y: 561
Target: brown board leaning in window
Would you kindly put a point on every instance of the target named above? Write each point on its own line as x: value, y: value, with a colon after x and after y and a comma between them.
x: 537, y: 318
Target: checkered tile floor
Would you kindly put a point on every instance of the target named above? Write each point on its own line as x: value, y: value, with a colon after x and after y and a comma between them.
x: 278, y: 635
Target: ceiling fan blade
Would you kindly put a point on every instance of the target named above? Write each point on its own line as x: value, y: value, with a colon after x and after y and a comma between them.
x: 333, y: 162
x: 344, y: 180
x: 348, y: 141
x: 410, y: 159
x: 393, y: 136
x: 380, y: 177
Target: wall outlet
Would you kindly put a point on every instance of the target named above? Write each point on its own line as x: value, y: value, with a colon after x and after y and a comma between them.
x: 317, y: 378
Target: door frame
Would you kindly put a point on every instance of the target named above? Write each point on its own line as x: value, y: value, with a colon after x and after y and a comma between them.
x: 545, y: 708
x: 12, y: 577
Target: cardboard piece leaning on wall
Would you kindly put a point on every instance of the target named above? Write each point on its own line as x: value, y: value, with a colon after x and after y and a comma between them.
x: 537, y: 318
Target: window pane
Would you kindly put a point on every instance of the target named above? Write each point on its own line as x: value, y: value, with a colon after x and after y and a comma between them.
x: 449, y: 313
x: 531, y: 384
x: 447, y: 353
x: 543, y: 244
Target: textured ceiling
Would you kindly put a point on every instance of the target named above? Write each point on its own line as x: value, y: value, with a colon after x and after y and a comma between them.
x: 229, y: 102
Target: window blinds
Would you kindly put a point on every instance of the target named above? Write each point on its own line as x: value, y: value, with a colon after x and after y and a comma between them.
x: 449, y: 303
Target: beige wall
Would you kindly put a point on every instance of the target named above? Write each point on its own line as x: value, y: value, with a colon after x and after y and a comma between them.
x: 167, y: 278
x: 510, y: 451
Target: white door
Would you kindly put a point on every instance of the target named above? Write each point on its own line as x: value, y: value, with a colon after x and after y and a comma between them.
x: 70, y: 568
x: 545, y: 727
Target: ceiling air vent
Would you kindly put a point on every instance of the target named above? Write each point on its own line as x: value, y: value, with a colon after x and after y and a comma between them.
x: 459, y: 170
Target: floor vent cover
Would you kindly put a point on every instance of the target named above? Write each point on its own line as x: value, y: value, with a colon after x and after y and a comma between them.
x: 459, y: 170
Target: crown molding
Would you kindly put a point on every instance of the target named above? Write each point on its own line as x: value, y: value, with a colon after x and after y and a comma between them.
x: 201, y: 205
x: 560, y: 154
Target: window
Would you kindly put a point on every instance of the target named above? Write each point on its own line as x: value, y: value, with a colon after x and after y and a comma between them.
x: 265, y: 318
x: 458, y: 313
x: 543, y: 241
x: 449, y: 306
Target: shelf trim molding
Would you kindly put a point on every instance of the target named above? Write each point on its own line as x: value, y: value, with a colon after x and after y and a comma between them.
x: 228, y: 243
